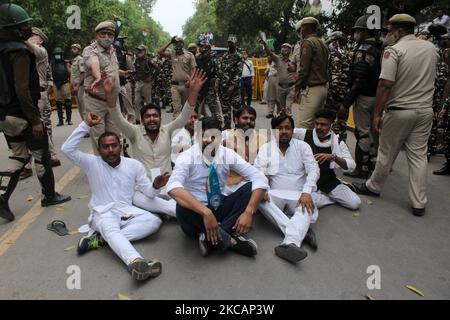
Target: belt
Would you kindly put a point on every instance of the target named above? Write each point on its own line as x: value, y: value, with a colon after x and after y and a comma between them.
x: 286, y: 85
x: 178, y: 83
x: 93, y: 95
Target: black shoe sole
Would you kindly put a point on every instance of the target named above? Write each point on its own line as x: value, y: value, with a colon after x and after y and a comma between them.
x: 290, y: 254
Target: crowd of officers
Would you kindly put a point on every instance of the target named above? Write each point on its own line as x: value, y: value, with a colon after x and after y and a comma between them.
x: 312, y: 74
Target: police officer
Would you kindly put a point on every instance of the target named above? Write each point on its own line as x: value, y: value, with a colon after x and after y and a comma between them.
x: 100, y: 57
x: 61, y: 77
x: 145, y: 74
x: 229, y: 79
x: 207, y: 61
x: 365, y: 71
x: 125, y: 70
x: 311, y: 85
x: 192, y: 48
x: 405, y: 93
x: 19, y: 115
x: 183, y: 63
x: 77, y: 78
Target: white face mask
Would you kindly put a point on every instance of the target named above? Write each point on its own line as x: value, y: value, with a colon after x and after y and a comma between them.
x: 105, y: 43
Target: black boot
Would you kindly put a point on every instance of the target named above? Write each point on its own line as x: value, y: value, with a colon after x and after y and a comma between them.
x: 68, y: 107
x: 59, y: 109
x: 5, y: 211
x: 360, y: 159
x: 48, y: 186
x: 444, y: 171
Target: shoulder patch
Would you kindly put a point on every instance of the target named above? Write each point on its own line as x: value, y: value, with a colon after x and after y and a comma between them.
x: 386, y: 55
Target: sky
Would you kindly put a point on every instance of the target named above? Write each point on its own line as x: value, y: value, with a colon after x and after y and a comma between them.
x: 172, y: 14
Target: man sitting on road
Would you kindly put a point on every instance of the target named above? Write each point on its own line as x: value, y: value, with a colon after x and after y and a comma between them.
x: 113, y: 180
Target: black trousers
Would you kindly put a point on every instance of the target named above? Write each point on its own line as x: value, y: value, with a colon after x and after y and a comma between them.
x: 246, y: 90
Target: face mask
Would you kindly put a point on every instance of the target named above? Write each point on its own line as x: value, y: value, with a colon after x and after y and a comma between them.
x: 285, y: 52
x: 179, y: 51
x: 58, y: 57
x: 105, y: 43
x: 391, y: 39
x: 357, y: 36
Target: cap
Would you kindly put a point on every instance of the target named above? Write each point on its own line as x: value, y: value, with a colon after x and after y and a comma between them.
x: 306, y: 20
x: 286, y: 45
x: 142, y: 47
x: 108, y: 25
x: 402, y: 18
x: 76, y: 45
x: 192, y: 46
x: 39, y: 33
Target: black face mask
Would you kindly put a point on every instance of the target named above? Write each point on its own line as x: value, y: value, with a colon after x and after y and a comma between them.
x: 179, y: 51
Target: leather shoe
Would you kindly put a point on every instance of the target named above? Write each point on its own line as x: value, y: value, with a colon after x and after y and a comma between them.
x: 57, y: 199
x: 444, y: 171
x: 361, y: 188
x: 418, y: 212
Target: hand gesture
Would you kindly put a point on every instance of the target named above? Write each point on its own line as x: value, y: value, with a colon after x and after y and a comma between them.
x: 306, y: 202
x: 161, y: 181
x: 92, y: 119
x: 196, y: 80
x: 323, y: 157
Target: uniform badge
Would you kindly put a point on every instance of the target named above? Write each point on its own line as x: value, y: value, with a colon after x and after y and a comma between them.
x: 386, y: 55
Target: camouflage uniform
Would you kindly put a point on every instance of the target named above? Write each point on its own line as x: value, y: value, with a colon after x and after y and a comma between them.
x: 164, y: 77
x: 208, y: 97
x: 442, y: 73
x: 446, y: 107
x: 230, y: 72
x: 157, y: 84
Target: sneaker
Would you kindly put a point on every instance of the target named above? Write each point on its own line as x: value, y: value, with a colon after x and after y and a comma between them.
x: 90, y: 242
x: 203, y: 244
x: 5, y: 211
x: 26, y: 173
x: 57, y: 199
x: 244, y: 246
x: 290, y: 252
x: 142, y: 269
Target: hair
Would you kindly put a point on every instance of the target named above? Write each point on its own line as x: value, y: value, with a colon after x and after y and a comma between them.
x: 405, y: 26
x: 326, y: 113
x: 247, y: 109
x: 148, y: 107
x: 278, y: 120
x: 107, y: 134
x: 210, y: 123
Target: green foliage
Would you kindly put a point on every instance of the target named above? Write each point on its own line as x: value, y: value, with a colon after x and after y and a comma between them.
x: 51, y: 17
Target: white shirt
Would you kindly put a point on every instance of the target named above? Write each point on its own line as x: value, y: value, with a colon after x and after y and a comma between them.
x: 181, y: 142
x: 444, y: 20
x: 248, y: 71
x: 297, y: 170
x: 338, y: 148
x: 191, y: 171
x: 111, y: 188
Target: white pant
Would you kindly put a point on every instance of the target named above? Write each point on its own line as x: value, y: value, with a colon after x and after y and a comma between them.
x: 155, y: 205
x: 294, y: 228
x: 342, y: 195
x: 118, y: 233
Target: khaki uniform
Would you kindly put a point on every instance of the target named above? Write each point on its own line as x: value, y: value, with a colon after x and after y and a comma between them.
x: 272, y: 89
x: 182, y: 66
x: 312, y: 81
x: 409, y: 114
x: 96, y: 102
x: 286, y: 82
x: 75, y: 78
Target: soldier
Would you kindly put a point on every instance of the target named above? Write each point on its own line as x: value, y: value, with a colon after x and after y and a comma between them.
x: 286, y: 80
x: 183, y: 63
x: 145, y: 72
x: 19, y: 115
x: 207, y: 61
x: 312, y: 74
x: 100, y: 57
x: 164, y: 77
x: 77, y: 78
x: 35, y: 44
x: 229, y: 78
x: 339, y: 74
x: 442, y: 74
x: 365, y: 71
x: 61, y: 77
x: 125, y: 70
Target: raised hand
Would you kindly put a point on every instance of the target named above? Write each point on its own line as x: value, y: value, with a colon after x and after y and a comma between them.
x: 196, y: 80
x: 92, y: 119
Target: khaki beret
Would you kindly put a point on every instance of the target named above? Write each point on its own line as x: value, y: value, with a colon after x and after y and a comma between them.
x: 39, y: 33
x: 76, y: 45
x: 286, y: 45
x: 192, y: 45
x: 108, y: 25
x: 402, y: 18
x: 142, y: 47
x: 306, y: 20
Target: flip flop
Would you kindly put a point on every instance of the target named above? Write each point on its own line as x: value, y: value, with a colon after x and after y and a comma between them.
x: 59, y: 227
